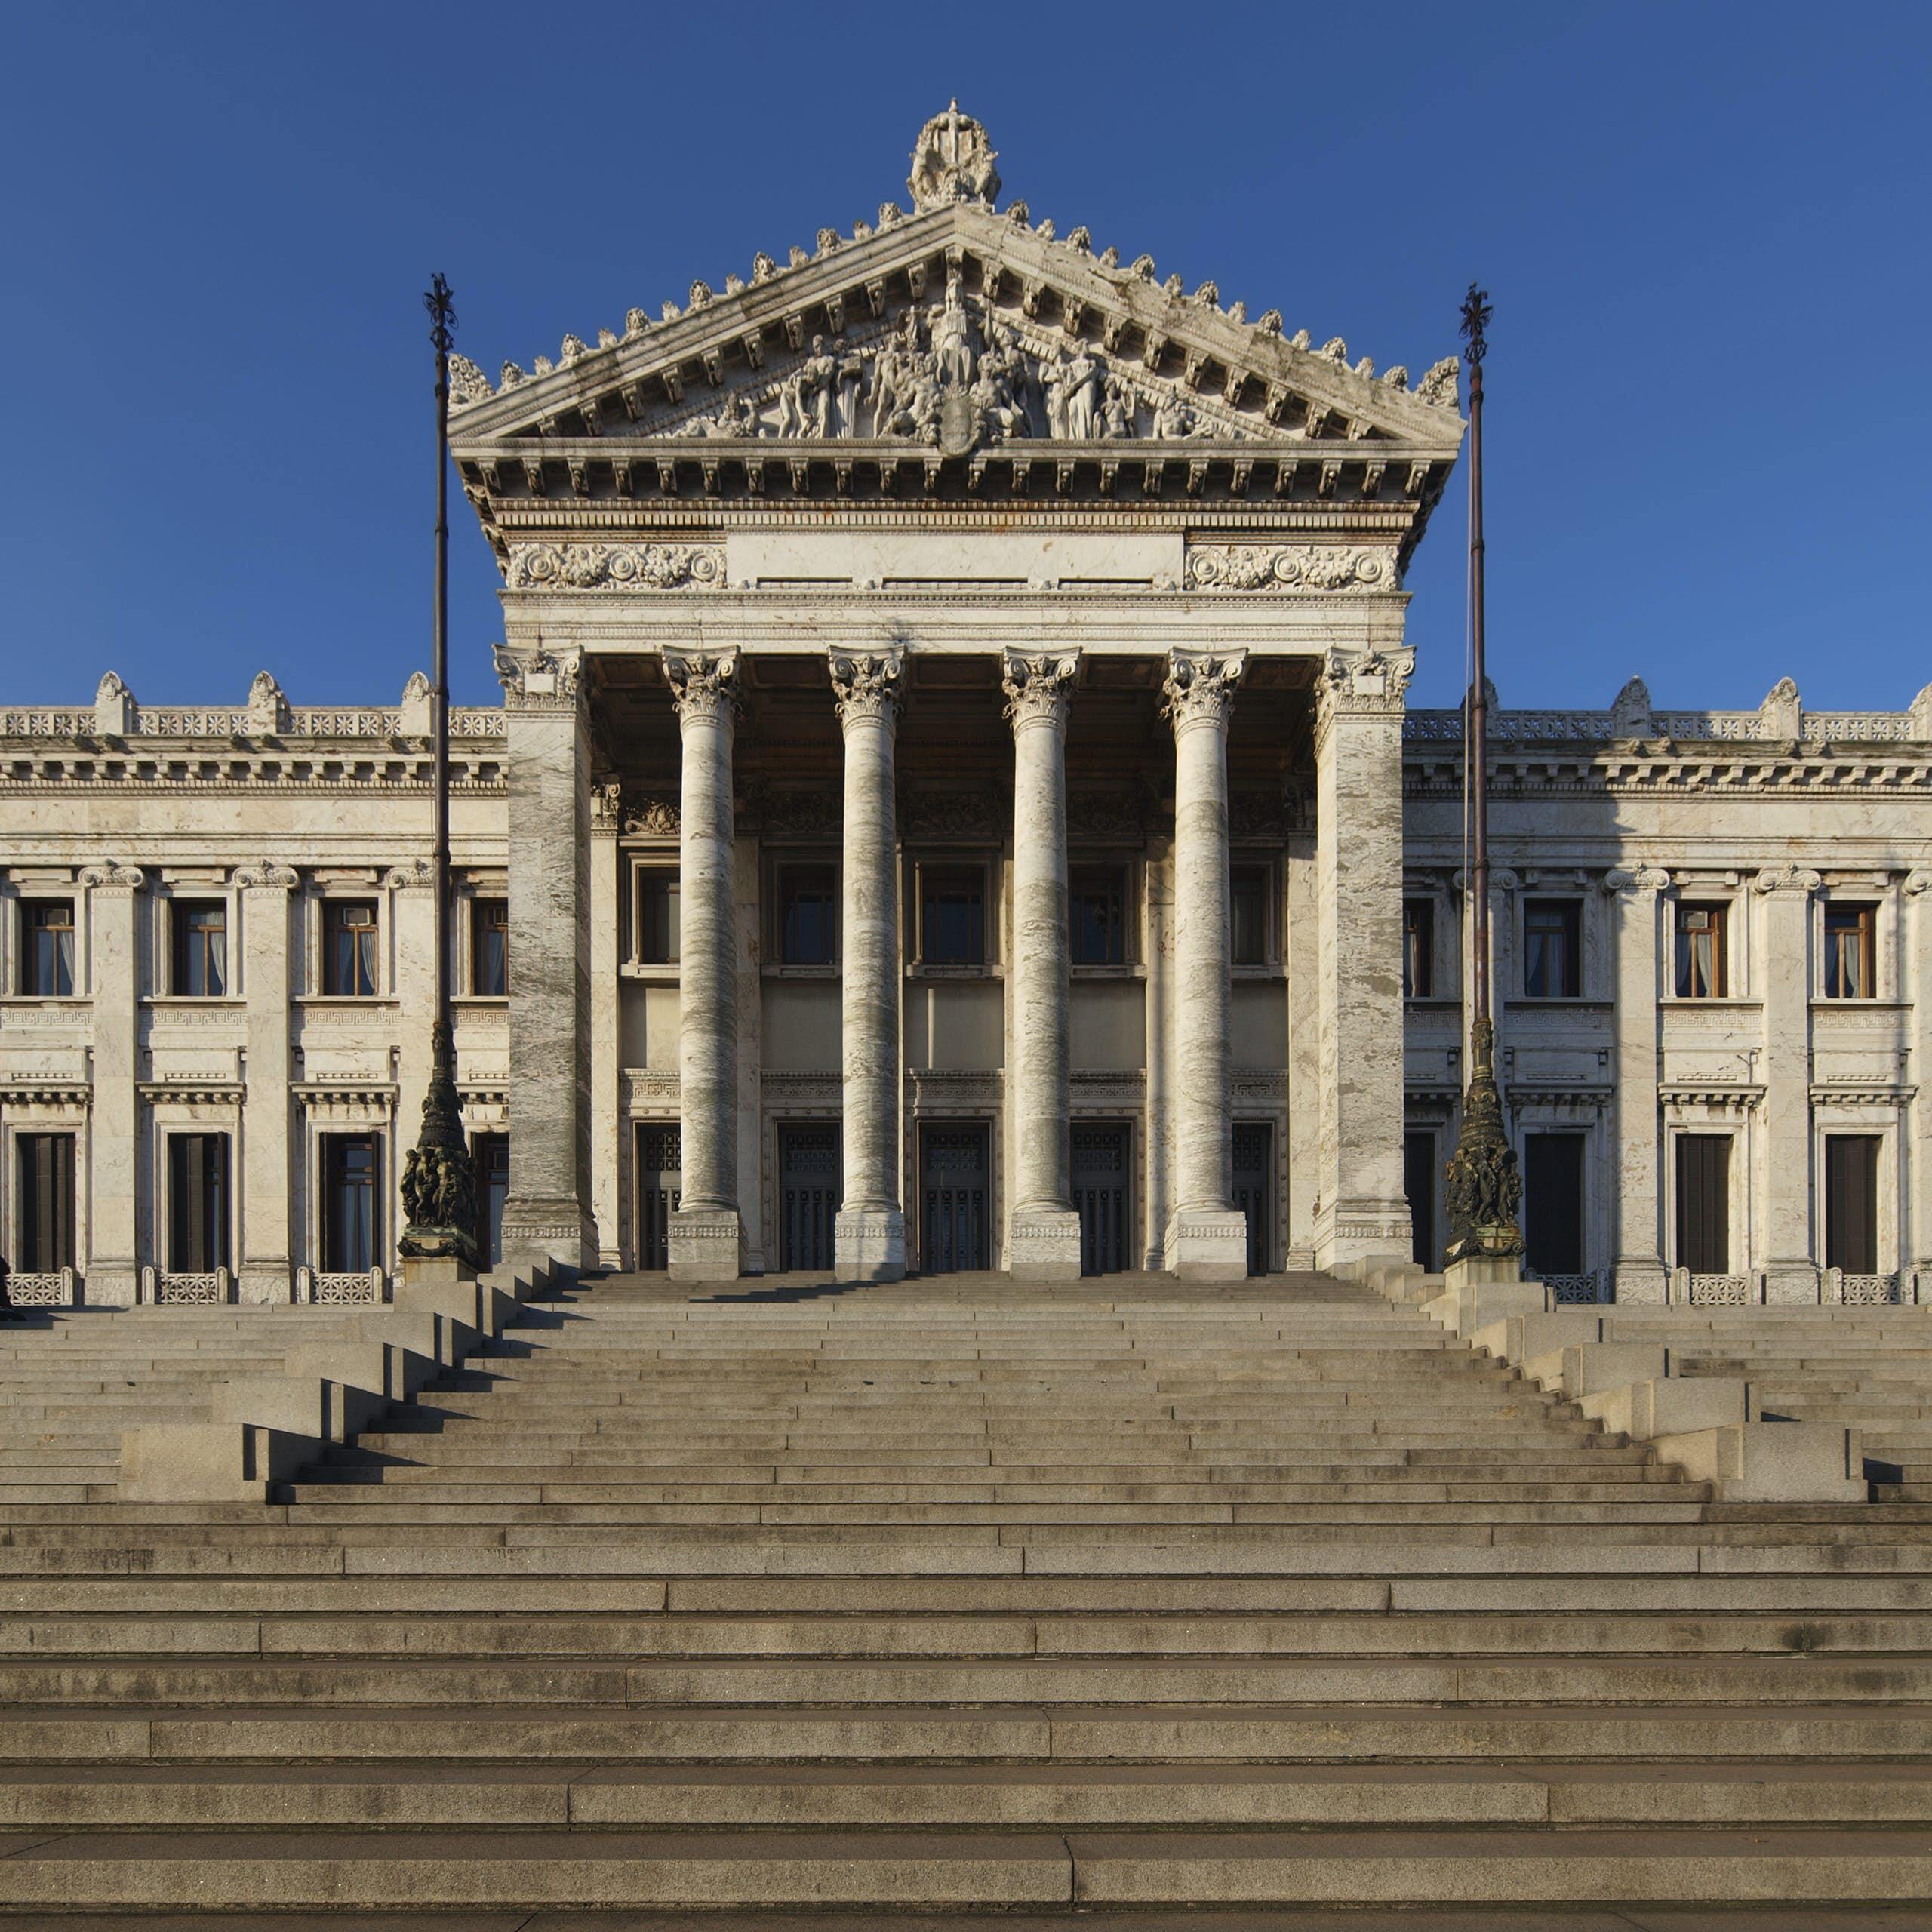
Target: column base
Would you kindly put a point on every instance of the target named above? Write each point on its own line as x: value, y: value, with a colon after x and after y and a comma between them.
x: 557, y: 1230
x: 707, y: 1244
x: 1640, y: 1284
x: 1044, y: 1242
x: 1208, y: 1244
x: 869, y: 1244
x: 265, y: 1284
x: 1361, y: 1231
x: 1792, y: 1283
x: 111, y: 1283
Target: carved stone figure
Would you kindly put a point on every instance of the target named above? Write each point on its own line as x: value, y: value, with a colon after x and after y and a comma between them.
x: 952, y: 338
x: 1085, y: 374
x: 851, y: 378
x: 1117, y: 408
x: 1438, y: 383
x: 1055, y: 386
x: 818, y: 375
x: 1172, y: 419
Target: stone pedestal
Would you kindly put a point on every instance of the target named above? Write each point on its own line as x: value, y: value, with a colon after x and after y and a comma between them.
x: 707, y: 1233
x: 548, y: 1210
x: 1638, y: 1265
x: 868, y: 1235
x: 1207, y: 1235
x: 1364, y: 1209
x: 1043, y: 1231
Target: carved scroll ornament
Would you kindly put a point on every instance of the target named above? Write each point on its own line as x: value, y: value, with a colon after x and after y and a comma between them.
x: 1039, y: 687
x: 704, y: 684
x: 616, y: 567
x: 1200, y: 686
x: 1287, y: 566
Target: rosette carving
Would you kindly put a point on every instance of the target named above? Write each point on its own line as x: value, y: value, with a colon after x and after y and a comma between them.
x: 616, y: 567
x: 1287, y: 566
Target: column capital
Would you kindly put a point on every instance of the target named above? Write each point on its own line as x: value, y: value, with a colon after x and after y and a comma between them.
x: 1787, y: 881
x: 1364, y: 683
x: 704, y: 684
x: 110, y: 874
x: 539, y: 680
x: 865, y: 684
x: 1917, y: 880
x: 1038, y: 687
x: 266, y: 875
x: 1199, y: 687
x: 1623, y: 883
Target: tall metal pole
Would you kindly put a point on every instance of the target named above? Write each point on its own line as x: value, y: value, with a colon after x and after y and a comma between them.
x: 438, y: 1183
x: 1483, y: 1188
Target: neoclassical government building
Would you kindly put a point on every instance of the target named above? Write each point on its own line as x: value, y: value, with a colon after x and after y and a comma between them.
x: 953, y: 805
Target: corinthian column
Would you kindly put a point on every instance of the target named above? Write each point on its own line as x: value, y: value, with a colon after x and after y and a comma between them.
x: 1207, y: 1238
x: 869, y: 1236
x: 1043, y: 1232
x: 707, y: 1236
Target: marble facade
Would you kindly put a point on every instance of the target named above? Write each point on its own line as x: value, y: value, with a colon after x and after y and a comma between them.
x: 954, y: 705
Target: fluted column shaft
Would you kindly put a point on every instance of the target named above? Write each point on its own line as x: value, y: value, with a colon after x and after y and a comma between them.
x: 1043, y: 1233
x: 1207, y: 1236
x: 869, y: 1237
x: 706, y: 1235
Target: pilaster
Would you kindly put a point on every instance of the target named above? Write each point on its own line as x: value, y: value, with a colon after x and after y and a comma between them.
x: 1207, y: 1238
x: 1915, y: 1237
x: 707, y: 1232
x: 412, y: 924
x: 548, y: 1212
x: 115, y: 1187
x: 1364, y: 1210
x: 869, y: 1234
x: 1301, y: 956
x: 1043, y: 1231
x: 268, y: 1195
x: 606, y: 903
x: 1638, y: 1266
x: 1158, y: 950
x: 1784, y: 966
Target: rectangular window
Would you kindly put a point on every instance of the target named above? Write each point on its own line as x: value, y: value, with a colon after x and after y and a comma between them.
x: 349, y: 948
x: 197, y: 1202
x: 199, y: 966
x: 490, y: 1153
x: 1851, y: 1202
x: 952, y: 916
x: 1553, y: 949
x: 1097, y: 915
x: 657, y: 919
x: 1702, y: 969
x: 490, y: 949
x: 1419, y: 1167
x: 43, y: 1168
x: 47, y: 948
x: 1418, y: 949
x: 352, y: 1203
x: 1248, y: 916
x: 807, y: 915
x: 1850, y: 953
x: 1703, y: 1203
x: 1553, y: 1202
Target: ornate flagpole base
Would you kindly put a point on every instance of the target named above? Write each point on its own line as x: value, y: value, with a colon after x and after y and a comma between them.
x: 439, y: 1182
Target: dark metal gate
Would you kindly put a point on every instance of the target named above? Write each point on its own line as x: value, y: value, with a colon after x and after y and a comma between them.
x: 807, y: 1194
x: 1101, y: 1171
x: 954, y: 1176
x: 1254, y: 1188
x: 660, y: 1182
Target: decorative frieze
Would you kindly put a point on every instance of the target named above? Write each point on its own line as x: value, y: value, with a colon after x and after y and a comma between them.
x: 616, y: 567
x: 1287, y: 566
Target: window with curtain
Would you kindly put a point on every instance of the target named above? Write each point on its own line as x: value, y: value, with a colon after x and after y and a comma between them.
x: 351, y: 1212
x: 807, y: 915
x: 1553, y: 949
x: 657, y: 914
x: 197, y: 1202
x: 200, y: 964
x: 1851, y: 964
x: 1248, y: 916
x: 1702, y: 969
x: 1096, y: 915
x: 44, y: 1170
x: 490, y: 948
x: 47, y: 949
x: 349, y: 948
x: 1418, y: 949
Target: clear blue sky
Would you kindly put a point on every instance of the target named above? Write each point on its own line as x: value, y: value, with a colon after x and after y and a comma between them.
x: 1704, y: 228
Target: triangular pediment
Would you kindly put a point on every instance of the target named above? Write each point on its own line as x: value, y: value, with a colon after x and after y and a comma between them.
x: 952, y: 329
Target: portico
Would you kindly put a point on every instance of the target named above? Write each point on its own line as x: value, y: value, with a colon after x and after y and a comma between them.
x: 982, y: 666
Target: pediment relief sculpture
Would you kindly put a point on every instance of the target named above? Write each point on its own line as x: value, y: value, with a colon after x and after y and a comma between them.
x: 957, y: 327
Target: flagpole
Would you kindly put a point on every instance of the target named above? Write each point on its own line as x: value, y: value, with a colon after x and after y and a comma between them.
x: 438, y: 1183
x: 1484, y: 1188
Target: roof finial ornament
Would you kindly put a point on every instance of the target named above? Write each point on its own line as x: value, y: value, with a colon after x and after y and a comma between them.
x: 952, y: 161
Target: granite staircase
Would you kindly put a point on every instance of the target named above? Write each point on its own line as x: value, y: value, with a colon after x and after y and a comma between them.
x: 960, y: 1597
